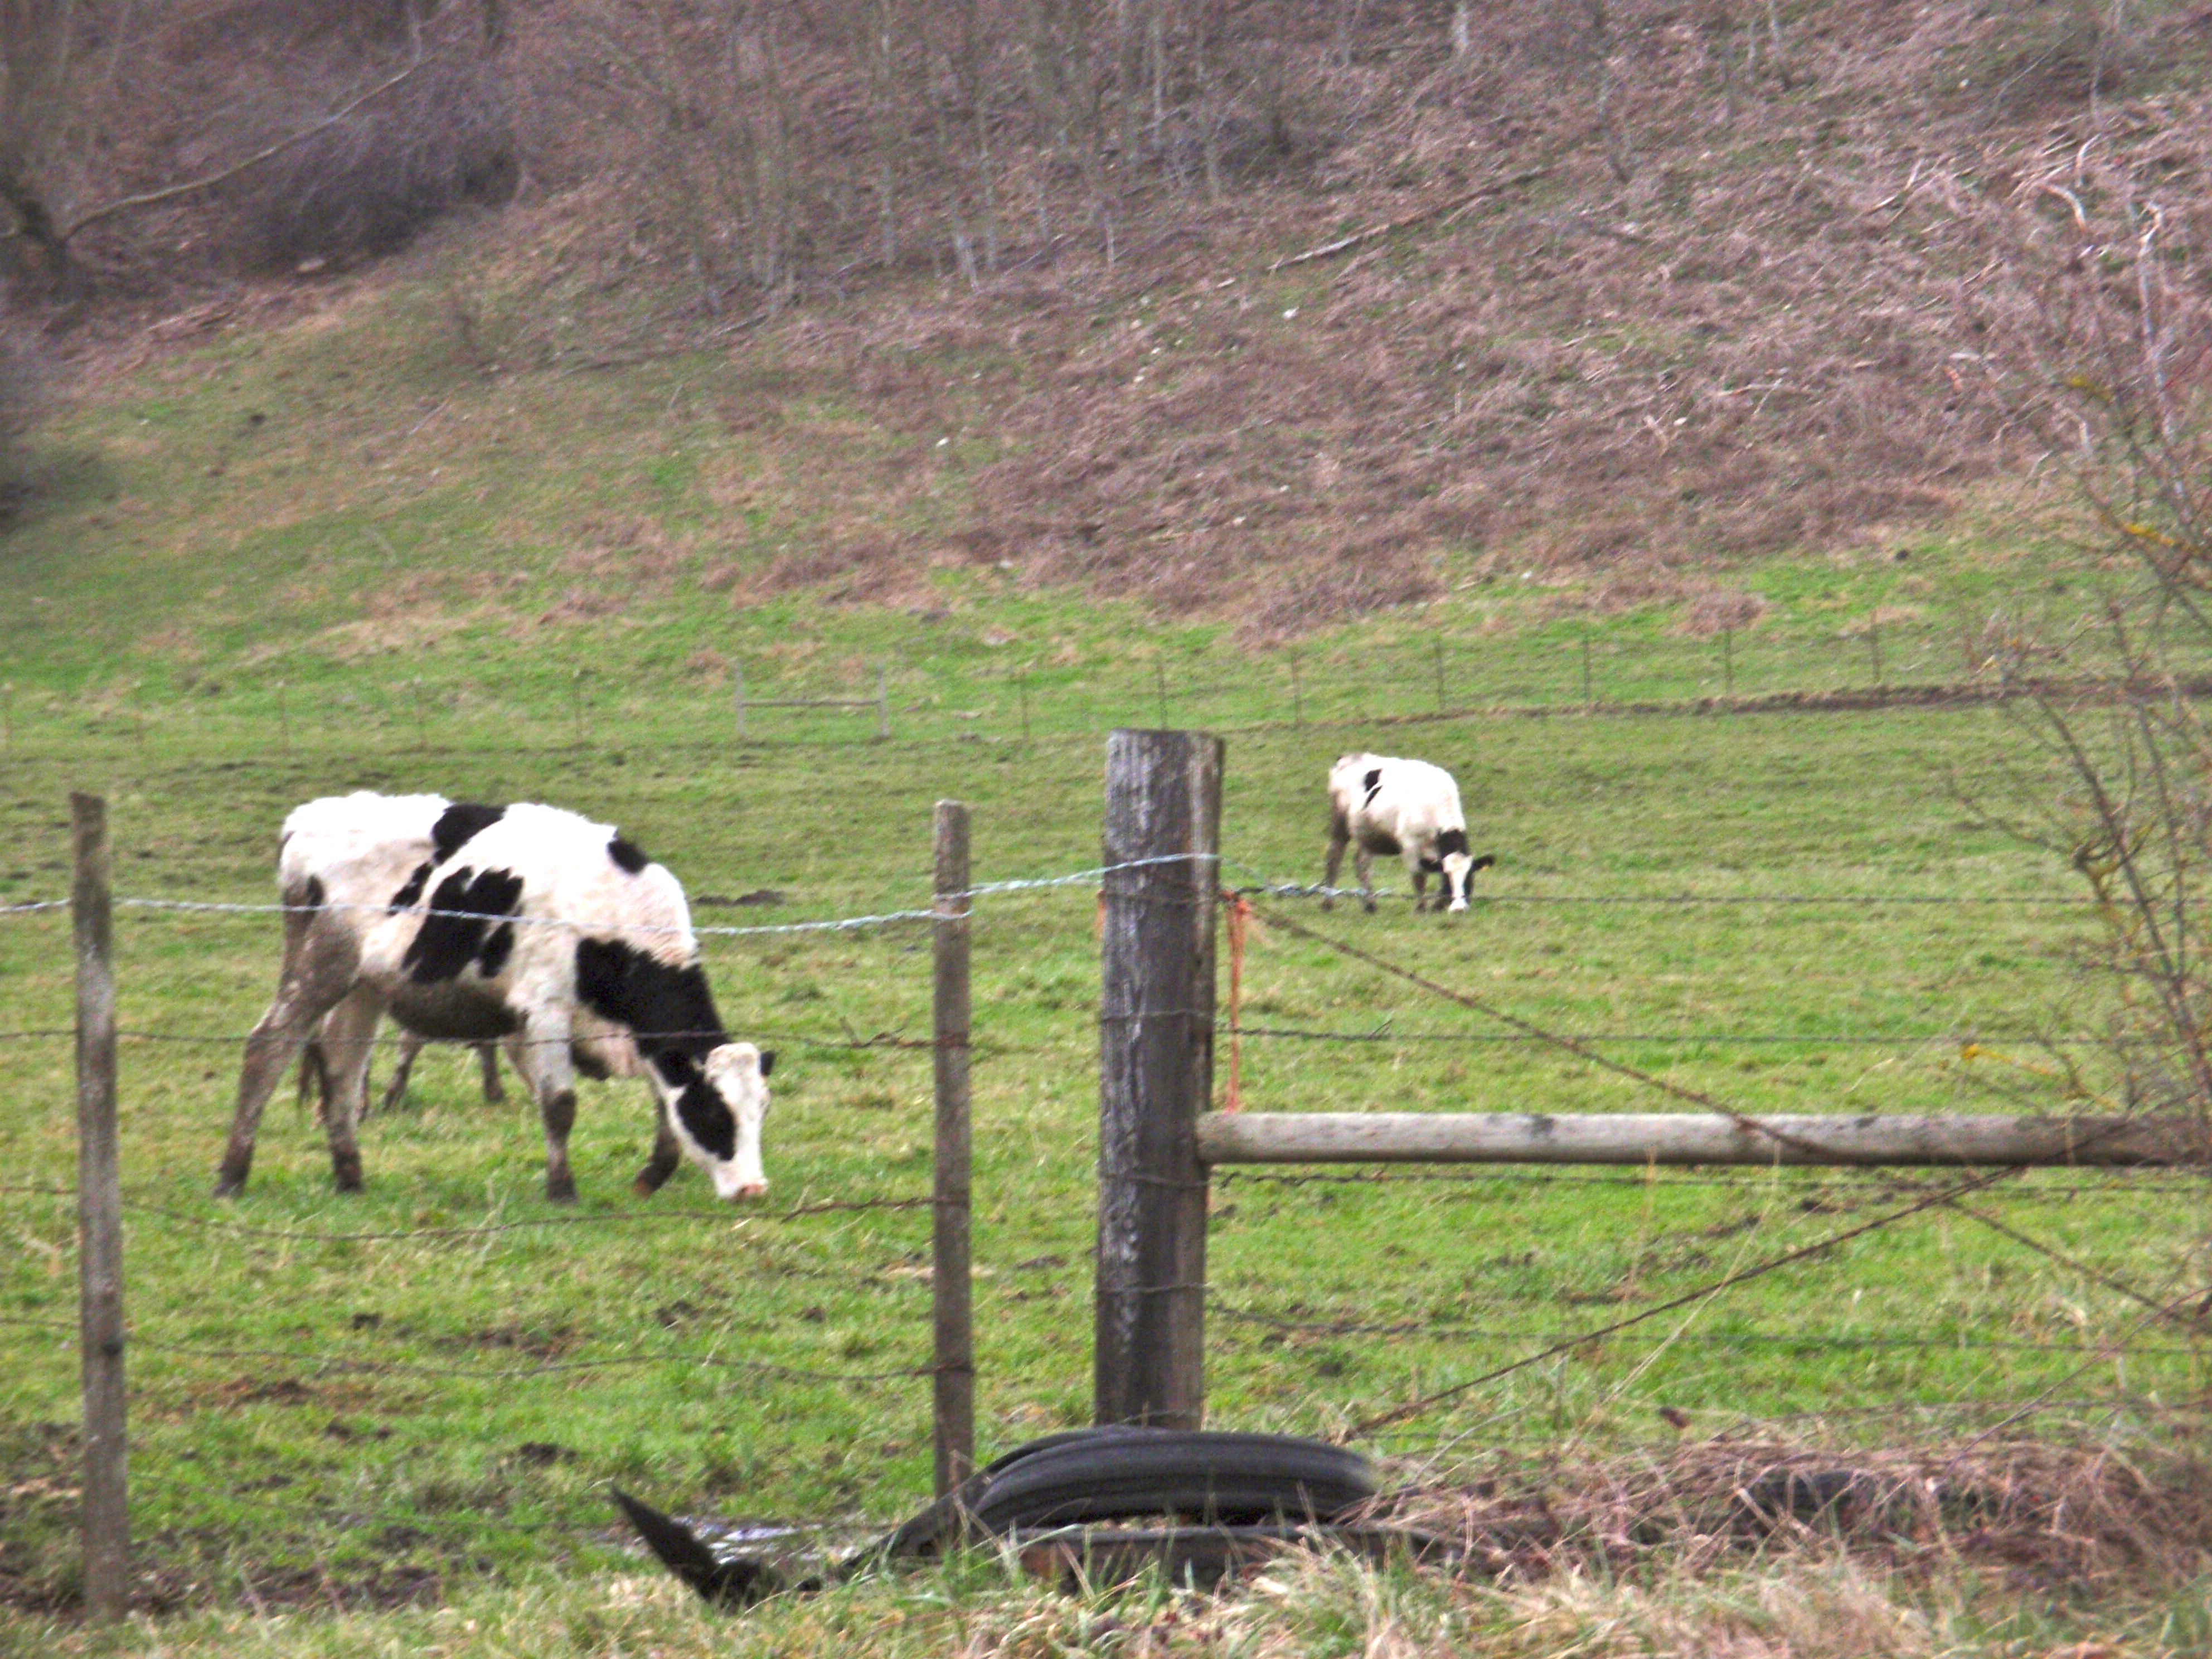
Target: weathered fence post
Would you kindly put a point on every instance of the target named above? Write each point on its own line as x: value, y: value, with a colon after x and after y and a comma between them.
x: 283, y: 723
x: 100, y: 1222
x: 1874, y: 645
x: 954, y: 1352
x: 1587, y: 699
x: 737, y: 694
x: 1298, y: 697
x: 1022, y: 686
x: 1155, y: 1074
x: 883, y: 701
x: 1727, y: 661
x: 1440, y: 676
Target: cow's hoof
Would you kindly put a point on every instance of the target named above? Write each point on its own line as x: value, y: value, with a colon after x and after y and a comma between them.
x: 345, y: 1175
x: 229, y: 1183
x: 645, y: 1185
x: 560, y: 1189
x: 1368, y: 905
x: 1328, y: 904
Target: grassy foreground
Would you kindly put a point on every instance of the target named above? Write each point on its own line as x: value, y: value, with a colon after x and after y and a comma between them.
x: 367, y: 1423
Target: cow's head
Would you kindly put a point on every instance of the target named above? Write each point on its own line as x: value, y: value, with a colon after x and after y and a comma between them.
x: 1451, y: 859
x: 716, y: 1107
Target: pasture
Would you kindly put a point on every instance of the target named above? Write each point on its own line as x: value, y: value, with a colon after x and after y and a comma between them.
x: 419, y: 1414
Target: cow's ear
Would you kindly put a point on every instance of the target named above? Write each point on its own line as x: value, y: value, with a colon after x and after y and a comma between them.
x: 767, y: 1061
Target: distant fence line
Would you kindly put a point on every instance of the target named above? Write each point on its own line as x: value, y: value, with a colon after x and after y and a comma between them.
x: 928, y: 696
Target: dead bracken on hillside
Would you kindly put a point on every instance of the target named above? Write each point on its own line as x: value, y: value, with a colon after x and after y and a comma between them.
x: 1272, y: 310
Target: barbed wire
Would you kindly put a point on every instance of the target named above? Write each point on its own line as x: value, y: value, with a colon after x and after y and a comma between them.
x: 1267, y: 885
x: 478, y: 1230
x: 1711, y: 1339
x: 337, y: 1364
x: 1902, y: 1040
x: 984, y: 890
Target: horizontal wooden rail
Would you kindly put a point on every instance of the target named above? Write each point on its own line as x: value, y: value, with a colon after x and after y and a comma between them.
x: 1679, y: 1137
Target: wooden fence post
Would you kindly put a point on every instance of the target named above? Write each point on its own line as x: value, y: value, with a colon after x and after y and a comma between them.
x: 1298, y: 697
x: 955, y: 1355
x: 100, y: 1222
x: 1440, y: 676
x: 883, y: 701
x: 1587, y: 701
x: 737, y: 694
x: 1155, y: 1074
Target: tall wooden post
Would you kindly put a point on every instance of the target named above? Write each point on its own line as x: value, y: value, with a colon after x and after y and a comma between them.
x: 883, y: 701
x: 1155, y: 1074
x: 738, y: 695
x: 100, y: 1222
x: 1298, y: 697
x: 955, y: 1348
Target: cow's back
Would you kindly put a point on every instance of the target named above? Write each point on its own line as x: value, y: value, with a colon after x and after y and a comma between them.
x: 357, y: 849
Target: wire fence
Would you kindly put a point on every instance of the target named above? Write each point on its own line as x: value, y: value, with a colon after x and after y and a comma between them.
x: 1899, y: 1199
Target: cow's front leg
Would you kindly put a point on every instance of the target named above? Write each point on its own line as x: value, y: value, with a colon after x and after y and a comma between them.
x: 668, y: 1153
x: 541, y: 1049
x: 346, y: 1038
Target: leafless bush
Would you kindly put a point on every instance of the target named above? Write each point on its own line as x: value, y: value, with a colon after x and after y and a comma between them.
x: 366, y: 185
x: 2110, y: 362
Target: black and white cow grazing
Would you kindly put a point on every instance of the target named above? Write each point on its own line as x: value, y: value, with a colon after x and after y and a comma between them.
x: 525, y: 924
x: 1408, y: 807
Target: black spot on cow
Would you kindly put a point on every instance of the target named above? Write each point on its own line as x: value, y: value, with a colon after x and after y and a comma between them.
x: 1449, y: 841
x: 1370, y: 783
x: 767, y: 1061
x: 459, y: 824
x: 706, y: 1117
x: 462, y: 908
x: 413, y: 890
x: 625, y: 854
x: 668, y: 1008
x: 315, y: 893
x: 497, y: 950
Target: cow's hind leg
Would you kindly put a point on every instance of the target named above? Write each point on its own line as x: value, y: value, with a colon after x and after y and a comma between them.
x: 1420, y: 885
x: 403, y: 1067
x: 540, y: 1050
x: 317, y: 972
x: 668, y: 1153
x: 1363, y: 866
x: 488, y: 1060
x: 347, y: 1037
x: 1339, y: 837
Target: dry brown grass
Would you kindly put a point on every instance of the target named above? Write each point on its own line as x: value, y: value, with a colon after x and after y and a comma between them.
x: 1682, y: 291
x: 2046, y: 1514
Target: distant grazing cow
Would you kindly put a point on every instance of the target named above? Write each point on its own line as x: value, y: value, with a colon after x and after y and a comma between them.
x: 522, y: 923
x: 1407, y: 807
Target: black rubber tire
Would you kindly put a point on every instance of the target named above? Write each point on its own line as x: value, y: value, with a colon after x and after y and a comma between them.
x: 1121, y: 1473
x: 1223, y: 1478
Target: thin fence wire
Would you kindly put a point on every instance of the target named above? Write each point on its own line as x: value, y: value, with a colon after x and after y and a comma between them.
x: 327, y: 1363
x: 1809, y: 1341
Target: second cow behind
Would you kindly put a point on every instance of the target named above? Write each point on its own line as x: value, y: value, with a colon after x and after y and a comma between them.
x: 1405, y: 808
x: 524, y: 923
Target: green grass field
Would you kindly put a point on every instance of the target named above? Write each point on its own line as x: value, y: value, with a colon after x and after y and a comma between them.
x: 368, y: 1420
